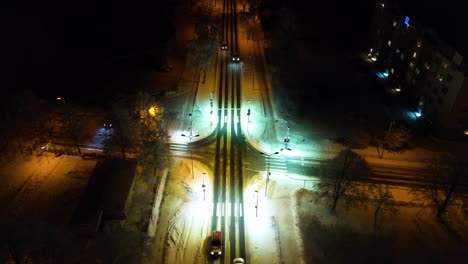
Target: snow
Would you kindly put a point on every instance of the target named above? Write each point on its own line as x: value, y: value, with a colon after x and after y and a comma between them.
x: 279, y: 228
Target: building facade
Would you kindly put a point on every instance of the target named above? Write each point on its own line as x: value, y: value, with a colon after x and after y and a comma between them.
x: 422, y: 70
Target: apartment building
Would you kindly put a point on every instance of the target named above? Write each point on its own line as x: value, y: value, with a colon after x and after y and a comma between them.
x: 422, y: 70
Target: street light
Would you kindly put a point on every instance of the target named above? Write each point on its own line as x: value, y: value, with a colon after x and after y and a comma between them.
x: 286, y: 140
x: 59, y: 98
x: 256, y: 205
x: 211, y: 103
x: 191, y: 156
x: 248, y: 111
x: 268, y: 169
x: 190, y: 126
x: 204, y: 186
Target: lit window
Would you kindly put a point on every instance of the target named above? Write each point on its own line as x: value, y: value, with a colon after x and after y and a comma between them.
x: 414, y: 54
x: 392, y: 70
x: 411, y: 65
x: 397, y: 51
x: 389, y: 43
x: 394, y: 23
x: 417, y: 71
x: 418, y: 44
x: 427, y: 65
x: 465, y: 132
x: 407, y: 21
x: 445, y: 65
x: 421, y: 103
x: 402, y: 56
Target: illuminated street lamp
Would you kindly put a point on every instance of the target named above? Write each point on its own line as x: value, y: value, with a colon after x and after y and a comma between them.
x: 191, y: 156
x: 60, y: 98
x: 204, y: 186
x: 268, y: 169
x: 43, y: 149
x: 154, y: 111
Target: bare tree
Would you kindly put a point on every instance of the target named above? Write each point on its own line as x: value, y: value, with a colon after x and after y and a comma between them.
x: 123, y: 136
x: 382, y: 198
x: 19, y: 115
x: 152, y: 132
x: 155, y: 156
x: 254, y: 27
x: 340, y: 177
x: 447, y: 171
x: 202, y: 50
x: 201, y: 53
x: 76, y: 128
x: 395, y: 139
x: 356, y: 138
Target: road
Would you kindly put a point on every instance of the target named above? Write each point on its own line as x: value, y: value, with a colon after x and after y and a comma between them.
x: 236, y: 172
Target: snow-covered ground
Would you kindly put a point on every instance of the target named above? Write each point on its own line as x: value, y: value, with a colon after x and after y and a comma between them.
x: 288, y: 228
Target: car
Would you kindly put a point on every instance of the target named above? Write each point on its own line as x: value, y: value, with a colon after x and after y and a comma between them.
x: 224, y: 46
x: 235, y: 57
x: 216, y: 243
x: 238, y: 261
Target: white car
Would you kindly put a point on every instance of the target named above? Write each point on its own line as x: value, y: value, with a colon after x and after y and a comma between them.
x: 238, y: 261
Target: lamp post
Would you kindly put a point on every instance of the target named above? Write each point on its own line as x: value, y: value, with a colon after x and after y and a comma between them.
x: 211, y: 103
x: 43, y: 151
x: 204, y: 186
x: 390, y: 127
x: 190, y: 126
x: 268, y: 169
x: 248, y: 111
x: 60, y: 98
x: 286, y: 140
x: 256, y: 204
x: 191, y: 156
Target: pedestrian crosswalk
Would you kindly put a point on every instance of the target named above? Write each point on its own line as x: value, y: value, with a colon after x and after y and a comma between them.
x: 276, y: 164
x: 178, y: 147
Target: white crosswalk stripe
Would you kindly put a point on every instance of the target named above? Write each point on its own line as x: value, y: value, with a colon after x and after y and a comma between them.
x: 276, y: 164
x: 178, y: 147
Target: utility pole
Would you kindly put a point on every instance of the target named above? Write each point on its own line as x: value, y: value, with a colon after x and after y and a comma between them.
x: 268, y: 169
x: 191, y: 153
x: 256, y: 205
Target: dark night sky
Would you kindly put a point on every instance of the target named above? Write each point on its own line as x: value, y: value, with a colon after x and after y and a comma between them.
x: 448, y: 17
x: 56, y: 47
x: 49, y: 44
